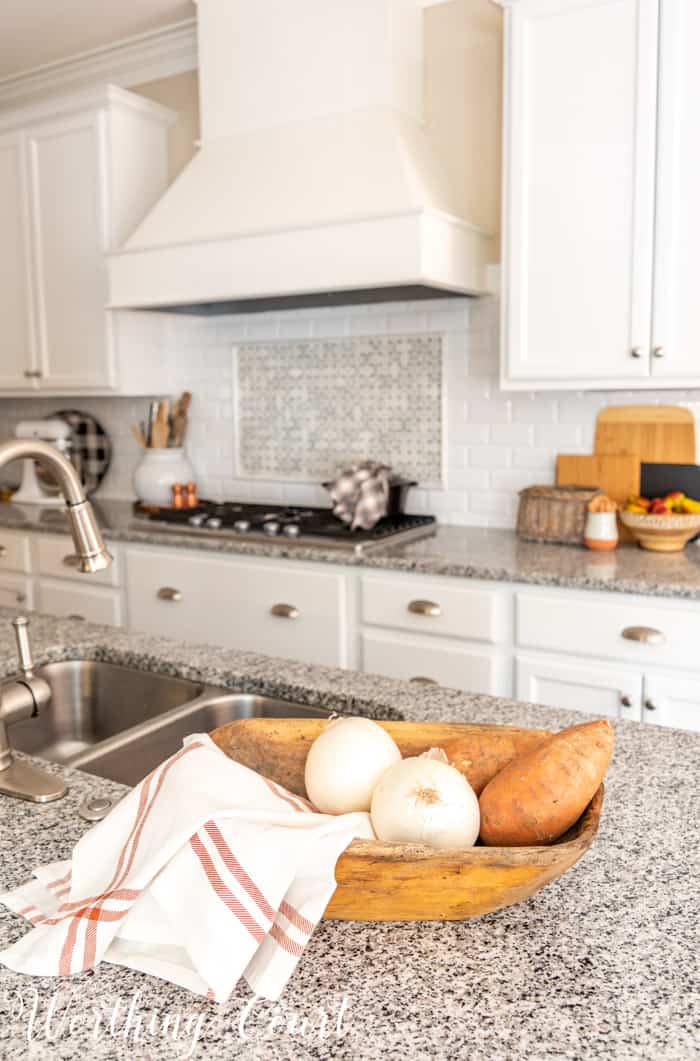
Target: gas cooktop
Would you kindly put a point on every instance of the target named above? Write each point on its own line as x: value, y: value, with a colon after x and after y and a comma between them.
x: 301, y: 526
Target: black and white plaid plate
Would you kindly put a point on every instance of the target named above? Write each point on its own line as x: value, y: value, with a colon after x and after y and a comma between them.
x: 91, y: 448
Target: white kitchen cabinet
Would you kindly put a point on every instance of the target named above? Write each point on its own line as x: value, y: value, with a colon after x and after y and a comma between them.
x: 472, y: 668
x: 676, y: 322
x: 438, y: 606
x: 16, y: 591
x: 598, y: 242
x: 76, y: 176
x: 279, y: 609
x: 574, y: 685
x: 579, y: 190
x: 672, y: 700
x: 17, y: 349
x: 14, y: 551
x: 80, y: 601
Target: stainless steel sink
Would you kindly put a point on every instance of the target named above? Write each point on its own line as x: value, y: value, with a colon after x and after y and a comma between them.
x: 141, y: 752
x: 91, y: 702
x: 119, y: 723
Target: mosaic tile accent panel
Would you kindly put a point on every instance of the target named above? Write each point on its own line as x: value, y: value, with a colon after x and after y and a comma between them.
x: 306, y: 409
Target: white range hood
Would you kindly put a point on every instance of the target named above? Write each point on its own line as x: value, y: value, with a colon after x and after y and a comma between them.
x: 314, y: 182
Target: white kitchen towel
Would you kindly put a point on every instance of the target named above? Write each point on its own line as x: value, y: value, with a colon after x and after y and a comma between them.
x: 205, y: 872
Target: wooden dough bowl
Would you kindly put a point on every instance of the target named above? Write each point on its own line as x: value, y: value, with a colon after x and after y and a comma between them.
x: 410, y: 882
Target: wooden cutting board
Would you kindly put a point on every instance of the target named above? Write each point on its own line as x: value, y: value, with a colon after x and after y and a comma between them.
x: 618, y: 476
x: 655, y: 433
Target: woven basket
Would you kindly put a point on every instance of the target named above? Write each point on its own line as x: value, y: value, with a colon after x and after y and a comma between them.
x: 554, y: 513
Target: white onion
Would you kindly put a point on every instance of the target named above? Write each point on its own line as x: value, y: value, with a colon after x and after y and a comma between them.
x: 345, y: 762
x: 423, y: 800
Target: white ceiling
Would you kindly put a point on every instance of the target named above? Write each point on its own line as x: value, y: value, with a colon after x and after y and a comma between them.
x: 34, y: 32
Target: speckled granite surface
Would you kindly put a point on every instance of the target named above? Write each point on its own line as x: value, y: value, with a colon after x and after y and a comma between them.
x: 463, y: 552
x: 602, y: 964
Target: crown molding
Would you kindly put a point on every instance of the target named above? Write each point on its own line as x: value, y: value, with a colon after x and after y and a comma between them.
x: 133, y: 61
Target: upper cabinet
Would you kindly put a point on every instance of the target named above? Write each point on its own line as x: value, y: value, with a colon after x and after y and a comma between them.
x: 600, y: 215
x: 76, y: 177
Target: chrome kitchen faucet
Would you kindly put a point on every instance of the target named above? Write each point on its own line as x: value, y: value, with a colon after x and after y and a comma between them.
x: 26, y: 695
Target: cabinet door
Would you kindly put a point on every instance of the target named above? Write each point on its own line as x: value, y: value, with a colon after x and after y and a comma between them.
x: 672, y: 700
x: 70, y: 224
x: 15, y: 592
x: 579, y: 191
x: 676, y: 328
x: 95, y: 603
x: 473, y: 668
x: 594, y: 688
x: 275, y: 609
x: 16, y: 338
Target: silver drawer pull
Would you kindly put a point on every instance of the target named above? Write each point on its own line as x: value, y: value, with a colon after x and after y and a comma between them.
x: 169, y: 593
x: 636, y: 351
x: 21, y: 598
x: 32, y: 373
x: 3, y: 550
x: 626, y: 701
x: 420, y: 680
x: 284, y: 611
x: 659, y: 351
x: 424, y: 607
x: 76, y: 617
x: 650, y: 705
x: 646, y: 634
x: 71, y: 560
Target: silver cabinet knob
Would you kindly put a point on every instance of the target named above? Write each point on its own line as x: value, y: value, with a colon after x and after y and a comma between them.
x: 636, y: 352
x: 650, y: 705
x: 3, y: 550
x: 659, y: 351
x: 169, y: 593
x: 21, y: 598
x: 420, y: 680
x: 284, y: 611
x: 646, y: 634
x: 625, y: 701
x: 424, y: 607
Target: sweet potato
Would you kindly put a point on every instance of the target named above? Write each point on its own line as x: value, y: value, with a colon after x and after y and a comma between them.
x: 480, y: 756
x: 541, y: 794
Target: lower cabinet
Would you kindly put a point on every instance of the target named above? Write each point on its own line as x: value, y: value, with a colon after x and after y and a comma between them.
x: 457, y: 666
x: 618, y: 691
x: 280, y: 610
x: 15, y: 592
x: 574, y: 685
x: 94, y: 603
x: 672, y: 700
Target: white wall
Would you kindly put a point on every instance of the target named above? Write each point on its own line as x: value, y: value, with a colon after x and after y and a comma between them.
x: 496, y: 443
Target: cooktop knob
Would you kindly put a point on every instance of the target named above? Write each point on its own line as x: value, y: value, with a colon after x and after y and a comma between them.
x: 214, y: 522
x: 271, y: 527
x: 196, y: 521
x: 242, y: 525
x: 291, y: 530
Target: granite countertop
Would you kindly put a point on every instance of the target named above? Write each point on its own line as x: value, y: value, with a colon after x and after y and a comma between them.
x: 462, y: 552
x: 601, y: 964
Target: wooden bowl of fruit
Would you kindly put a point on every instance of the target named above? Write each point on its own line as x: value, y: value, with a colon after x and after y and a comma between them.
x: 662, y: 524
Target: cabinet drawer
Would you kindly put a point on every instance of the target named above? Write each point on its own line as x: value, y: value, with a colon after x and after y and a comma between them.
x: 15, y: 592
x: 54, y: 555
x: 594, y: 627
x: 603, y: 689
x: 433, y: 608
x: 14, y: 551
x: 473, y: 670
x: 258, y: 608
x: 96, y: 603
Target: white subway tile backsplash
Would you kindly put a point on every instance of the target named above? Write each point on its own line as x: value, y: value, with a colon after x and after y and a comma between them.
x: 495, y: 443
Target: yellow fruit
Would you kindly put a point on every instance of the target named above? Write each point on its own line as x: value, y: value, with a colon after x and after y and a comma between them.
x: 631, y: 507
x: 690, y: 505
